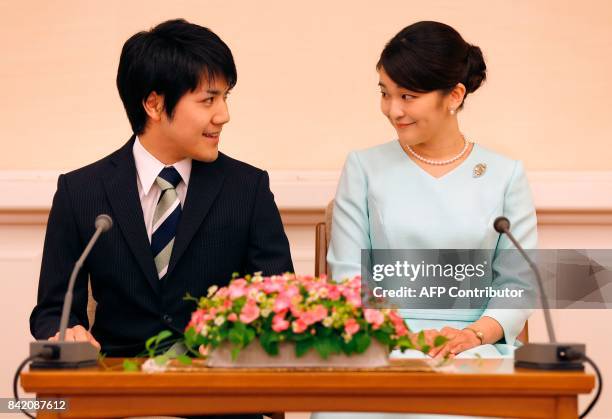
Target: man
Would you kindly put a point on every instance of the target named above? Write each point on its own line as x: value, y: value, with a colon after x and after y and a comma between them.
x: 185, y: 216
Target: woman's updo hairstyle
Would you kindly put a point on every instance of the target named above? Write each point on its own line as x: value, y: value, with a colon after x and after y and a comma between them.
x: 428, y: 56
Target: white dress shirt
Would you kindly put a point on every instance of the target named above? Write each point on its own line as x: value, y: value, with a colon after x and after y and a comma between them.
x: 147, y: 169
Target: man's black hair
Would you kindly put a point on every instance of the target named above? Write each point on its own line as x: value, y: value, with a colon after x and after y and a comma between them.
x: 171, y: 60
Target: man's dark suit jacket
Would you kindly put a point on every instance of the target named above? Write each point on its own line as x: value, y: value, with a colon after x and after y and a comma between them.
x: 229, y: 224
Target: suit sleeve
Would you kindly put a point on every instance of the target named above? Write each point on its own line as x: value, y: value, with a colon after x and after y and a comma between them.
x: 268, y: 248
x: 62, y: 248
x: 509, y: 269
x: 350, y: 232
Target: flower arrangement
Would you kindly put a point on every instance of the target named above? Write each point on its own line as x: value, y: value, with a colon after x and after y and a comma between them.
x: 311, y: 312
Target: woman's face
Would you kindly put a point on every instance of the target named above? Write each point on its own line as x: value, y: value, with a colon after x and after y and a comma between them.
x: 417, y: 117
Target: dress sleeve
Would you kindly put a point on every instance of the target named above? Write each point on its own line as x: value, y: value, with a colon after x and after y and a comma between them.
x: 350, y: 231
x: 519, y: 209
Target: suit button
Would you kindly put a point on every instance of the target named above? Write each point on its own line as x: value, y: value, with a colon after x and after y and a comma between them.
x: 167, y: 318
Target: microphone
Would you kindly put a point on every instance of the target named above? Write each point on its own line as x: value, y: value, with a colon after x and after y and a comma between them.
x: 547, y: 356
x: 71, y: 354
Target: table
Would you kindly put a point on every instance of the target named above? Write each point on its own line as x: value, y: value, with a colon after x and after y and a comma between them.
x: 482, y: 387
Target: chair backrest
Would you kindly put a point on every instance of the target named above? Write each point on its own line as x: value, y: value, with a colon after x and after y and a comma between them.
x: 322, y: 236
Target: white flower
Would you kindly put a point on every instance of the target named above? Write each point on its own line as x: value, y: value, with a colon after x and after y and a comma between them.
x: 265, y: 312
x: 212, y: 290
x: 219, y: 320
x: 150, y: 366
x: 328, y: 321
x: 204, y: 331
x: 260, y: 297
x: 257, y: 277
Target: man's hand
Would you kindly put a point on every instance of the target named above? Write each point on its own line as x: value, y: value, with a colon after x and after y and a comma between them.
x: 77, y: 334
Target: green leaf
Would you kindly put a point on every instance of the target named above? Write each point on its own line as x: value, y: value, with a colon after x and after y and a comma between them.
x: 184, y: 359
x: 150, y: 342
x: 324, y: 347
x: 249, y: 335
x: 161, y: 359
x: 440, y: 340
x: 235, y: 352
x: 164, y: 334
x: 362, y: 342
x: 425, y: 348
x: 382, y: 337
x: 269, y: 342
x: 236, y: 335
x: 421, y: 338
x: 130, y: 366
x: 189, y: 297
x: 190, y: 337
x: 404, y: 343
x: 303, y: 346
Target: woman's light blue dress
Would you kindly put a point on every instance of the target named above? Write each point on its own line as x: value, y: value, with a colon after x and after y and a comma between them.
x: 386, y: 201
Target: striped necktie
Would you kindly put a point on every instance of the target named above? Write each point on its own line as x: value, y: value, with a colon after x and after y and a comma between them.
x: 166, y: 219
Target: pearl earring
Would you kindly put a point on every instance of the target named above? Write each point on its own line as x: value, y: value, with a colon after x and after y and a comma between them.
x: 452, y: 111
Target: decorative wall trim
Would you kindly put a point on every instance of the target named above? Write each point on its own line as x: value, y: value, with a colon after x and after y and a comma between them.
x: 581, y: 197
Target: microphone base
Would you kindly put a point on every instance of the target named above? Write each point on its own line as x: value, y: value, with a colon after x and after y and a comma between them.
x: 66, y: 355
x: 549, y: 356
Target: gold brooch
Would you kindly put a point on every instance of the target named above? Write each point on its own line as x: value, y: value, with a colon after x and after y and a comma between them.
x: 480, y: 169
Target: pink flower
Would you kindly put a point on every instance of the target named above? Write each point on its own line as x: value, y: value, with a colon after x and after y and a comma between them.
x: 298, y: 326
x: 398, y: 324
x: 249, y: 312
x: 351, y: 327
x: 232, y: 317
x: 281, y: 303
x: 203, y: 350
x: 374, y: 317
x: 352, y: 296
x: 334, y: 292
x: 270, y: 286
x: 307, y: 317
x: 222, y: 292
x: 319, y: 313
x: 291, y: 291
x: 237, y: 288
x: 279, y: 323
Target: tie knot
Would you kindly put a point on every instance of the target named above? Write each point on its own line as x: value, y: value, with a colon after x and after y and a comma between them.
x: 168, y: 178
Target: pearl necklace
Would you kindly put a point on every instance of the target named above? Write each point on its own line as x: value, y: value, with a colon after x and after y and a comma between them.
x: 440, y: 162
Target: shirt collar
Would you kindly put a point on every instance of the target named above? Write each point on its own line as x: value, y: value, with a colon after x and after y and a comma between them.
x: 148, y: 167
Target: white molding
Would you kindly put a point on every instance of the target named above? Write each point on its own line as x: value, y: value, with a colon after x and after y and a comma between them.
x: 311, y: 190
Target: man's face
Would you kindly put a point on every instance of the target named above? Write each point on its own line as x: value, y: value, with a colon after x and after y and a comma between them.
x: 195, y: 127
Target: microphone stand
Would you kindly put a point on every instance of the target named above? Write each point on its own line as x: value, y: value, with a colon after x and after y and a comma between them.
x: 63, y: 354
x: 546, y: 356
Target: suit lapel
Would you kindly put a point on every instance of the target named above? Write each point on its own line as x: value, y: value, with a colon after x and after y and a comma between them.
x: 122, y: 192
x: 205, y: 183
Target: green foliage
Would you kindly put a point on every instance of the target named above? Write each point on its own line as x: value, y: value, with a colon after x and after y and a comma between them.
x: 184, y: 359
x: 303, y: 345
x: 440, y: 340
x: 130, y: 365
x: 269, y: 341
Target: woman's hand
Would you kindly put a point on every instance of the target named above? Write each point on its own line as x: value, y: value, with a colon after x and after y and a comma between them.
x: 459, y: 340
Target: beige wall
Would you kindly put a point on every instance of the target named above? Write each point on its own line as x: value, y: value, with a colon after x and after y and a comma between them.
x: 306, y: 96
x: 307, y: 87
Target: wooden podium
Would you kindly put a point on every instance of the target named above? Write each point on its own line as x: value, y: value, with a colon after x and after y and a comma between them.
x: 465, y: 387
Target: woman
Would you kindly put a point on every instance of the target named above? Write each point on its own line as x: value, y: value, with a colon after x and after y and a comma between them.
x: 433, y: 187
